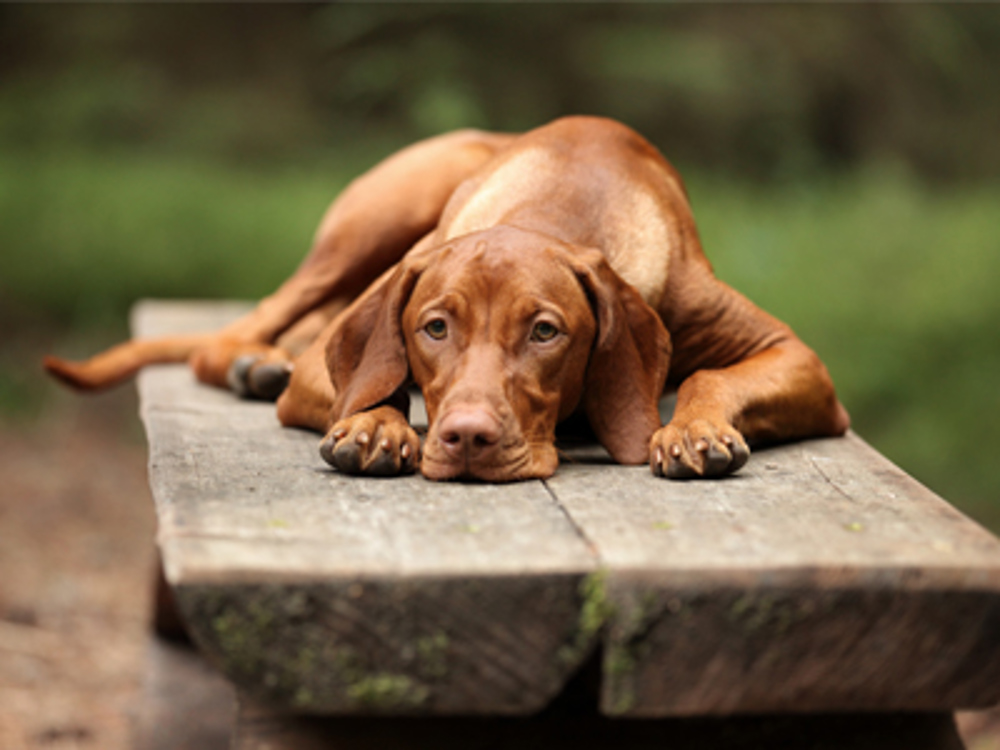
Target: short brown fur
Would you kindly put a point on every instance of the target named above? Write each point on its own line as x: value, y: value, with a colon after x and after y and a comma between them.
x: 515, y: 280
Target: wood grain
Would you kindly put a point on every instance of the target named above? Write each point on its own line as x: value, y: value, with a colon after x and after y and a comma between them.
x: 820, y: 578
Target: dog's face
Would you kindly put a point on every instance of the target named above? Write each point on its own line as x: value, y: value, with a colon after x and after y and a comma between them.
x: 506, y: 332
x: 498, y: 341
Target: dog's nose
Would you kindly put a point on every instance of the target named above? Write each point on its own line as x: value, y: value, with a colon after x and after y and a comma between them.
x: 469, y: 432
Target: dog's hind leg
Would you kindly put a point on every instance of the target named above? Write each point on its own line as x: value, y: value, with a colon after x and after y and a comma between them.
x: 370, y: 226
x: 259, y: 371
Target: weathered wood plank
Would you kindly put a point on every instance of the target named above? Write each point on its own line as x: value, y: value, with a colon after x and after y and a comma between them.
x: 820, y: 578
x: 244, y: 498
x: 331, y: 593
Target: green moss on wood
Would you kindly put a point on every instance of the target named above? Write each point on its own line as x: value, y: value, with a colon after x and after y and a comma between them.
x: 757, y: 611
x: 595, y: 610
x: 629, y: 647
x: 431, y: 653
x: 624, y: 701
x: 242, y: 632
x: 385, y: 690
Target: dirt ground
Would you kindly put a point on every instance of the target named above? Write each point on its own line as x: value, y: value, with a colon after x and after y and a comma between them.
x: 76, y: 566
x: 76, y: 559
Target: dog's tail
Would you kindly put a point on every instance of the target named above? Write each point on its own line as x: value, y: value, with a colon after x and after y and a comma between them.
x: 119, y: 363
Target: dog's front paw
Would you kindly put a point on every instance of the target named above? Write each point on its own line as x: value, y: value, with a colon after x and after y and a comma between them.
x: 377, y: 443
x: 699, y: 448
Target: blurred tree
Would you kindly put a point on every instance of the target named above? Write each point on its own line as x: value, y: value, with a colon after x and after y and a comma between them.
x: 761, y: 91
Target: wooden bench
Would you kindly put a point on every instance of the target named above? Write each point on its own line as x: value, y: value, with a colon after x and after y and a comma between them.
x: 820, y: 594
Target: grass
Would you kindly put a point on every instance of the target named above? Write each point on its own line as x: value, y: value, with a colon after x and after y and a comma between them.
x: 890, y: 282
x: 84, y: 235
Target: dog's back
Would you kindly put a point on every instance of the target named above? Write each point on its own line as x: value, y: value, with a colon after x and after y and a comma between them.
x: 587, y: 181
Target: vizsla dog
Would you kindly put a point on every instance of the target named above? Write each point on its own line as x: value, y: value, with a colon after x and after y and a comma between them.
x: 516, y: 280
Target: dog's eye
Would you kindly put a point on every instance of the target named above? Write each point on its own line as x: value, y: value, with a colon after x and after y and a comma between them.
x: 436, y: 329
x: 544, y: 331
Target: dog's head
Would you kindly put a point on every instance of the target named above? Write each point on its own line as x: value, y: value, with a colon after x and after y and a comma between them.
x: 506, y: 332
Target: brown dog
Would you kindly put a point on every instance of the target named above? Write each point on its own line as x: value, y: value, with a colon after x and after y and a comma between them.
x: 515, y: 280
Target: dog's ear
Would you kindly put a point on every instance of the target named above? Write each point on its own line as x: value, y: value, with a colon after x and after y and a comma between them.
x: 366, y: 353
x: 628, y: 364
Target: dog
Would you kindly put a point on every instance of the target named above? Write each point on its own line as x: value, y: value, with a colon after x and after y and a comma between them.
x: 516, y: 280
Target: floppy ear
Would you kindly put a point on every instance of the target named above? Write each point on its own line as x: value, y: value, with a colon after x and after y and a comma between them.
x: 628, y: 364
x: 366, y: 353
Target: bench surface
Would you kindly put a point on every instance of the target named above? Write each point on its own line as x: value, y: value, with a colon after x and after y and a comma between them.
x: 820, y: 578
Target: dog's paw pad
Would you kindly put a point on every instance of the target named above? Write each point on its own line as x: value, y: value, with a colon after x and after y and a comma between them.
x: 238, y: 375
x: 250, y: 376
x: 268, y: 380
x: 345, y: 455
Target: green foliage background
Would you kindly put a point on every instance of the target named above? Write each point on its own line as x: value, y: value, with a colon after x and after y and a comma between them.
x: 842, y: 161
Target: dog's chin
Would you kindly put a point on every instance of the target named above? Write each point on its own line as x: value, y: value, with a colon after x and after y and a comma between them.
x: 539, y: 462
